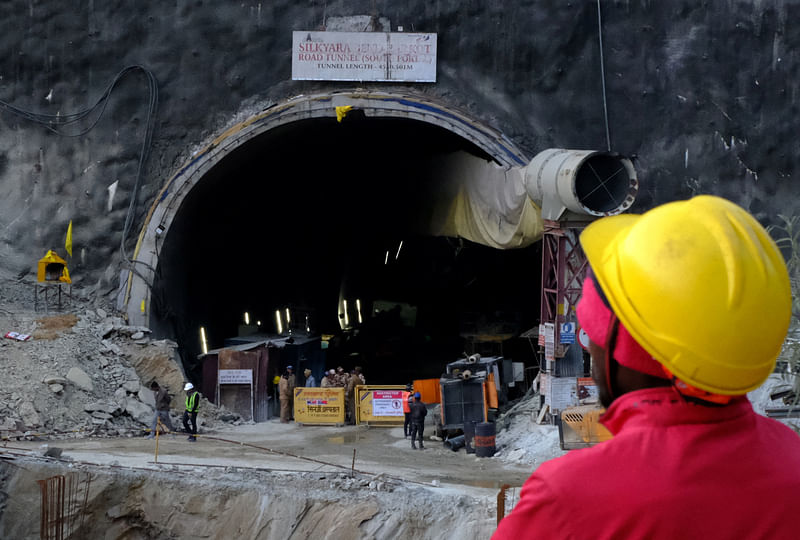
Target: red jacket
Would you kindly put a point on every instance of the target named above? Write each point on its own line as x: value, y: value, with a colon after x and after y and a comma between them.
x: 673, y: 470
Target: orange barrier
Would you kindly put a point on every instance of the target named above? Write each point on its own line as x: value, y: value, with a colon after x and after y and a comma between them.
x: 491, y: 392
x: 429, y: 390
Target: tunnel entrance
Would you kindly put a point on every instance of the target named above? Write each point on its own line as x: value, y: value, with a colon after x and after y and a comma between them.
x: 314, y: 213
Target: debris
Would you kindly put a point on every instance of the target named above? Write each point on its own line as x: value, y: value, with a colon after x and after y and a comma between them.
x: 51, y: 451
x: 17, y: 336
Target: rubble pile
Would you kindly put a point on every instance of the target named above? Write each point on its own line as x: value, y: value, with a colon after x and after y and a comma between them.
x: 83, y: 371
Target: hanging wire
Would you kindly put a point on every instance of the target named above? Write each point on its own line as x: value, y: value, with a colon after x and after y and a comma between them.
x: 56, y: 122
x: 603, y: 73
x: 146, y: 143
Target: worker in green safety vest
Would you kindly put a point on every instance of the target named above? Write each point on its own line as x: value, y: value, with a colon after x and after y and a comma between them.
x: 190, y: 414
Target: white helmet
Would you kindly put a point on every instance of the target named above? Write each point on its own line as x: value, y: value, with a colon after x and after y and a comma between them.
x: 332, y: 372
x: 188, y: 386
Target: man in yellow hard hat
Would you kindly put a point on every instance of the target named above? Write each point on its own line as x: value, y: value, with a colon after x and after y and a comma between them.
x: 686, y: 308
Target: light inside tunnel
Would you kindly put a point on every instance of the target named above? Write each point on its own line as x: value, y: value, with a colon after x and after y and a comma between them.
x: 315, y: 214
x: 203, y: 342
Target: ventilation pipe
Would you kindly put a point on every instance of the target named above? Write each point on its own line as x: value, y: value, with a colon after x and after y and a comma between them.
x: 583, y: 182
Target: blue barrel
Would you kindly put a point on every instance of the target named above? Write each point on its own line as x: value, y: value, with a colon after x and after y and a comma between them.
x: 469, y: 435
x: 484, y: 439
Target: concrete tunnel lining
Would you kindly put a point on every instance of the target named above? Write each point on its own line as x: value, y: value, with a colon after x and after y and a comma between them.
x: 137, y: 299
x: 209, y: 162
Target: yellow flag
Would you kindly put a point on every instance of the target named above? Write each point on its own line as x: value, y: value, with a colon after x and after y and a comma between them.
x: 68, y: 243
x: 342, y: 111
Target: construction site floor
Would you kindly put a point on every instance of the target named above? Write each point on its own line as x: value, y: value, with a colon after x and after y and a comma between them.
x: 290, y: 447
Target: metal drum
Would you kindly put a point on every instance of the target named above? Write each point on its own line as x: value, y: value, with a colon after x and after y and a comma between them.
x: 484, y: 439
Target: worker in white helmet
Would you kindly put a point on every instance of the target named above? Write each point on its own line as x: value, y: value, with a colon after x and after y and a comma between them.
x: 190, y: 414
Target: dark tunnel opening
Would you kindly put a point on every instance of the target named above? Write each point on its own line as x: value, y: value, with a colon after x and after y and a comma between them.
x: 316, y: 212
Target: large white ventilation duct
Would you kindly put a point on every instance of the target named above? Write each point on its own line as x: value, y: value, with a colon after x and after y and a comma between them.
x: 585, y: 182
x: 503, y: 208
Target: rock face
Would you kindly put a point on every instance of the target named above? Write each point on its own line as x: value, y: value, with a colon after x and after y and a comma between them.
x: 178, y: 503
x: 696, y: 113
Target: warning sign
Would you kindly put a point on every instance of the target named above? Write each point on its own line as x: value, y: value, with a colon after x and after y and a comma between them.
x: 387, y: 403
x: 380, y: 405
x: 583, y: 338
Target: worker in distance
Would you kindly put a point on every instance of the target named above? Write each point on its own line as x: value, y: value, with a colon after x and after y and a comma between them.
x: 686, y: 308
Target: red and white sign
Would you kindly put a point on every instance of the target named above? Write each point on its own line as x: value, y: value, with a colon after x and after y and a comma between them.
x: 387, y: 403
x: 363, y: 56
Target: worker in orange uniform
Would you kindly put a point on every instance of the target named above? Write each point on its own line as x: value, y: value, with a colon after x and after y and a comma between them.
x: 686, y: 308
x: 408, y: 398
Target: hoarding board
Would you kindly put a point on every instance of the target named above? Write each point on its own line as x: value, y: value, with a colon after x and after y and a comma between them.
x: 549, y: 340
x: 363, y: 56
x: 319, y: 405
x: 587, y: 389
x: 563, y: 392
x: 235, y: 376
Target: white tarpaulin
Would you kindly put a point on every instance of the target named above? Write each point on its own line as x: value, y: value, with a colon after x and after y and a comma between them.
x: 485, y: 203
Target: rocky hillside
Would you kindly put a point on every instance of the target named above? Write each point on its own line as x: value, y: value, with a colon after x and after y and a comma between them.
x: 82, y: 370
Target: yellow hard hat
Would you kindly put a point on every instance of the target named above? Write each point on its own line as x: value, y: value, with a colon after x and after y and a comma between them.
x: 700, y: 285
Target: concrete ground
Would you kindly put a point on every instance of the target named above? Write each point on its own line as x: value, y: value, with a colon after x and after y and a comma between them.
x: 292, y: 447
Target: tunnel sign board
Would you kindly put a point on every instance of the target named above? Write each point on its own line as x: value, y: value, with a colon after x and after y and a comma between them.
x: 363, y: 56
